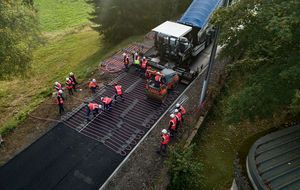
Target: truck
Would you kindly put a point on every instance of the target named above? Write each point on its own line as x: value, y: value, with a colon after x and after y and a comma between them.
x: 177, y: 43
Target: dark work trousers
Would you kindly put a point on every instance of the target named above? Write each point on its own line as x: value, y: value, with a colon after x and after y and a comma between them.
x: 116, y: 95
x: 107, y: 106
x: 74, y: 87
x: 95, y: 112
x: 172, y: 132
x: 61, y: 108
x: 163, y: 148
x: 70, y: 91
x: 93, y: 90
x: 126, y: 67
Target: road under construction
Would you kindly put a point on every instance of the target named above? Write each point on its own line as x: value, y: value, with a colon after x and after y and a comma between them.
x: 82, y: 155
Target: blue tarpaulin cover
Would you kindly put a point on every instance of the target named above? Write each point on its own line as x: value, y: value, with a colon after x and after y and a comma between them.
x: 198, y: 13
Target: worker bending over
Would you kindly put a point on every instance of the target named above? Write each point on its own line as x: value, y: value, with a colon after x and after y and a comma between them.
x: 93, y: 86
x: 118, y: 91
x: 69, y: 86
x: 73, y: 79
x: 94, y: 108
x: 165, y: 139
x: 172, y: 125
x: 106, y: 103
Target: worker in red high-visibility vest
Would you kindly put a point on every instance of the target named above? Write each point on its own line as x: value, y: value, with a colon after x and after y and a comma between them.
x: 69, y: 86
x: 107, y: 102
x: 148, y: 74
x: 93, y: 85
x: 178, y: 116
x: 165, y: 139
x: 172, y: 125
x: 118, y: 91
x: 181, y: 110
x: 57, y: 86
x: 60, y: 103
x: 94, y: 108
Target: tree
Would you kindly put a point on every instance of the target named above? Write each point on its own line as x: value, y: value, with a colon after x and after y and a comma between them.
x: 262, y: 38
x: 184, y: 171
x: 119, y: 19
x: 18, y: 32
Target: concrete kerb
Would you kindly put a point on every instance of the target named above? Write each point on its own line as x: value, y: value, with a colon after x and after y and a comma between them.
x: 154, y: 125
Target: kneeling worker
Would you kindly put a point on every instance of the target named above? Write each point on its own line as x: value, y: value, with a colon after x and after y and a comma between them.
x: 106, y: 103
x: 94, y: 108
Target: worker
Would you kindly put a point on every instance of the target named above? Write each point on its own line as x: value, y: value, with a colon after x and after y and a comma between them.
x: 172, y: 125
x: 178, y: 116
x: 144, y: 65
x: 57, y: 86
x: 148, y: 74
x: 106, y: 103
x: 93, y: 85
x: 165, y: 138
x: 73, y: 79
x: 60, y: 103
x: 94, y: 108
x: 181, y: 110
x: 157, y: 80
x: 61, y: 93
x: 118, y: 91
x: 69, y: 86
x: 136, y: 63
x: 126, y: 61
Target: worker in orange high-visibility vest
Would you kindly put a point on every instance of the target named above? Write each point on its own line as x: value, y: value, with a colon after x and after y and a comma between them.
x: 172, y: 125
x: 107, y: 102
x: 69, y: 86
x: 165, y: 139
x: 118, y: 91
x: 93, y: 85
x: 57, y: 86
x: 178, y: 116
x: 126, y: 61
x: 181, y: 109
x: 144, y: 64
x: 94, y: 108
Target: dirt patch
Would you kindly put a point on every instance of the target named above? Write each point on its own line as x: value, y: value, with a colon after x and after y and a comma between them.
x: 44, y: 118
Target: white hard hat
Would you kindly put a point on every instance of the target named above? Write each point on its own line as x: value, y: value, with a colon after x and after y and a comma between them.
x: 144, y: 57
x: 177, y: 105
x: 94, y: 80
x: 100, y: 106
x: 101, y: 98
x: 164, y: 131
x: 172, y: 115
x: 56, y: 83
x: 176, y: 111
x: 67, y: 78
x: 71, y: 73
x: 124, y: 54
x: 60, y: 91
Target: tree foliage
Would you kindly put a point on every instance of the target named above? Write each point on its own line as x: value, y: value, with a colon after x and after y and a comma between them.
x: 119, y: 19
x: 184, y: 171
x: 18, y: 31
x: 263, y: 38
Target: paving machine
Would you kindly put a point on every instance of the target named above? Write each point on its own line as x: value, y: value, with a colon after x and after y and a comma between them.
x: 177, y: 43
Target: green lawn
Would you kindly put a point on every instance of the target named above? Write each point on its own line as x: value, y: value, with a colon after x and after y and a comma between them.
x: 57, y: 15
x: 79, y: 51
